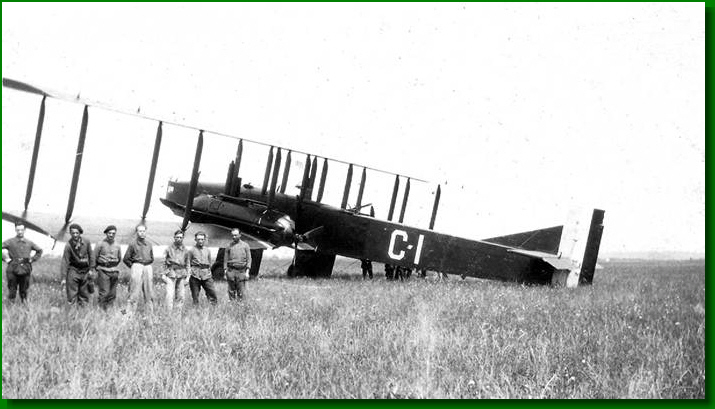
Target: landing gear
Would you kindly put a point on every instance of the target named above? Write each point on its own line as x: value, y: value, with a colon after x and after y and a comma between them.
x: 308, y: 263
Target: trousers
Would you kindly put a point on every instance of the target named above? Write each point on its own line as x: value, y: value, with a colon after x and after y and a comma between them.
x: 17, y: 281
x: 236, y: 279
x: 77, y: 286
x: 174, y: 290
x: 141, y: 281
x: 107, y: 283
x: 195, y: 285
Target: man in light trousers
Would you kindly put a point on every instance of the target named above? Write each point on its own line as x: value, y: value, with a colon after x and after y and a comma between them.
x: 139, y: 257
x: 176, y: 268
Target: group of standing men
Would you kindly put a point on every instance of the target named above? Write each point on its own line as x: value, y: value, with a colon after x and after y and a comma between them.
x: 82, y: 266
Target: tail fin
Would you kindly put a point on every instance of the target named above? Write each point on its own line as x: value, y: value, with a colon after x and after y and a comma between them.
x: 580, y: 242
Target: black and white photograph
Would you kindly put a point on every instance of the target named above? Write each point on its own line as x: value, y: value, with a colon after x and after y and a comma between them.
x: 353, y: 200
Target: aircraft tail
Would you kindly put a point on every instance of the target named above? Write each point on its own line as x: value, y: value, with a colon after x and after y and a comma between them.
x: 580, y: 242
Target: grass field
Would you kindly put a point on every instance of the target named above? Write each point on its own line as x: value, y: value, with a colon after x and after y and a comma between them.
x: 638, y: 332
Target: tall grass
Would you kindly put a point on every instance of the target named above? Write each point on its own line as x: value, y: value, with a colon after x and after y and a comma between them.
x: 637, y: 332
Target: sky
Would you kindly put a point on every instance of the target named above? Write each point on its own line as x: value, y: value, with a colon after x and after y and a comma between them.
x: 520, y: 112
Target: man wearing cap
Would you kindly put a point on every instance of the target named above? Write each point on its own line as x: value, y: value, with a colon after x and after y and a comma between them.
x: 107, y: 255
x: 17, y: 253
x: 76, y: 261
x: 200, y: 264
x: 236, y: 264
x: 176, y: 267
x: 139, y: 257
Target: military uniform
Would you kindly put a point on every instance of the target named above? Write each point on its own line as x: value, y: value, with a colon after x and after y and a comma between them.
x: 175, y: 273
x: 200, y: 264
x: 19, y: 267
x: 76, y: 261
x: 237, y: 263
x: 107, y: 256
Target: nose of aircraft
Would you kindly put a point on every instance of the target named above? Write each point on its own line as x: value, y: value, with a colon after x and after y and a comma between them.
x: 288, y: 226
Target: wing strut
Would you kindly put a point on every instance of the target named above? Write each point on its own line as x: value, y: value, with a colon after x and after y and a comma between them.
x: 404, y: 201
x: 311, y: 181
x: 323, y: 176
x: 267, y: 176
x: 286, y: 171
x: 194, y: 181
x: 434, y: 208
x: 228, y: 187
x: 346, y: 192
x: 358, y: 205
x: 35, y: 152
x: 274, y: 179
x: 391, y: 212
x: 239, y: 154
x: 77, y: 164
x: 152, y: 171
x: 235, y: 180
x: 304, y: 181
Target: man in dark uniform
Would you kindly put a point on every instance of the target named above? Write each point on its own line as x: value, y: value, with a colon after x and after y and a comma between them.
x: 200, y: 262
x: 76, y: 261
x: 107, y: 256
x: 366, y: 266
x: 17, y: 253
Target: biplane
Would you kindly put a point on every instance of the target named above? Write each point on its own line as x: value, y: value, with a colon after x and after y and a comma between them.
x: 268, y: 218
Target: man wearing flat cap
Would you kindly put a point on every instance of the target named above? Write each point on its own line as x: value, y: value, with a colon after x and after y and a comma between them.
x: 107, y: 255
x: 76, y: 261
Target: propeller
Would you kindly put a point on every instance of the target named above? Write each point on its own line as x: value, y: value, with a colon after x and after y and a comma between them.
x: 357, y: 209
x: 308, y: 239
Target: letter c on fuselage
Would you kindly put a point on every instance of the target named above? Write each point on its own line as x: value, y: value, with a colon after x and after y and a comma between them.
x: 391, y: 250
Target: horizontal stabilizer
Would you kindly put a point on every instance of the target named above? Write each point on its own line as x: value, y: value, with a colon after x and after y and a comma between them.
x: 546, y: 240
x: 558, y: 263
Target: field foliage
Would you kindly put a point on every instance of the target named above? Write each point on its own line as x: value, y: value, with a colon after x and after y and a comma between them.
x: 638, y: 332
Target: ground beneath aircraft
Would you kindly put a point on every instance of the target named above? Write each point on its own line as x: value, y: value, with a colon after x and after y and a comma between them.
x: 638, y: 332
